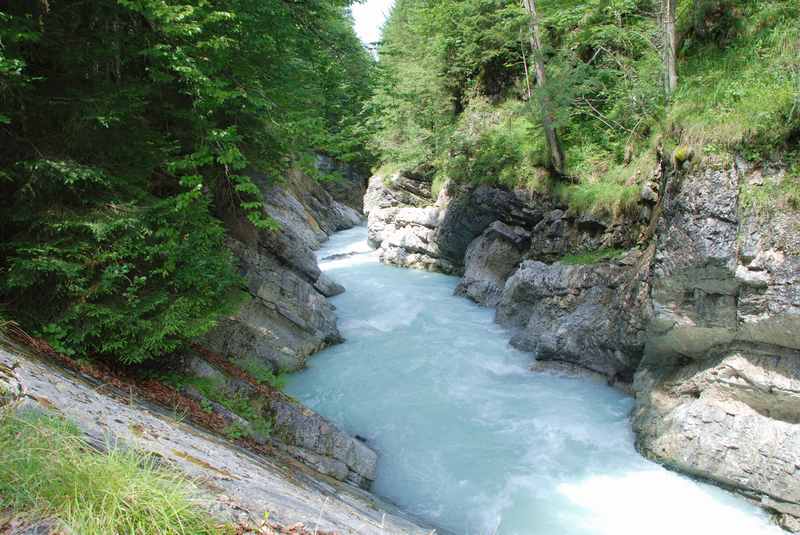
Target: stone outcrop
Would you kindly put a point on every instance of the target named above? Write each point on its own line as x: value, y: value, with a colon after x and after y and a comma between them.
x: 507, y: 244
x: 489, y: 261
x: 412, y: 230
x: 718, y: 390
x: 237, y: 484
x: 590, y: 315
x: 296, y: 430
x: 402, y: 221
x: 697, y: 310
x: 285, y: 316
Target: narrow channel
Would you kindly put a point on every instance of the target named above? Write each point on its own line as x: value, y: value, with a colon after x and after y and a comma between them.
x: 470, y: 439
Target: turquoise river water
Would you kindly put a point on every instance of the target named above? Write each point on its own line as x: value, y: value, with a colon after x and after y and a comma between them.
x: 472, y: 441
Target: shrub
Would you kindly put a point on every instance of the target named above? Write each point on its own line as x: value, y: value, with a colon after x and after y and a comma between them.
x: 128, y: 280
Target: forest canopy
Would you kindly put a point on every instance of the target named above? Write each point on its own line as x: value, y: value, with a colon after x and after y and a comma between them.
x: 457, y: 97
x: 121, y: 120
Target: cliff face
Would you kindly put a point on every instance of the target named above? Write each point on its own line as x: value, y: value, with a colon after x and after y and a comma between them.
x: 718, y: 389
x: 693, y: 302
x: 286, y: 317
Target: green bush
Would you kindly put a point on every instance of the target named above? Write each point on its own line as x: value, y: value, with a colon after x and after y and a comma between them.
x: 122, y: 122
x: 130, y: 280
x: 592, y: 257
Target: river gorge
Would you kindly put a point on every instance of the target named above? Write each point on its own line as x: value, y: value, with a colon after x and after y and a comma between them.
x: 473, y: 442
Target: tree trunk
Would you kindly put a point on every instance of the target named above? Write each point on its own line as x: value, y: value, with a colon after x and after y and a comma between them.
x: 670, y: 46
x: 553, y: 143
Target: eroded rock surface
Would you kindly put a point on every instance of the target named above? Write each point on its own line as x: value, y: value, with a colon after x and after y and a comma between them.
x: 239, y: 483
x: 593, y: 315
x: 718, y: 390
x: 286, y: 316
x: 490, y: 260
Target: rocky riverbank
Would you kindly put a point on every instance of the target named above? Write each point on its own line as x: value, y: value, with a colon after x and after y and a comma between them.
x: 691, y: 301
x: 276, y: 457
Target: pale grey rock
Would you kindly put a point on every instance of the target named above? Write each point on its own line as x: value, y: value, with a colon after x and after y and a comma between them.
x: 327, y: 286
x: 594, y: 316
x: 285, y: 320
x: 718, y: 389
x: 235, y: 482
x: 415, y: 231
x: 287, y: 317
x: 490, y: 259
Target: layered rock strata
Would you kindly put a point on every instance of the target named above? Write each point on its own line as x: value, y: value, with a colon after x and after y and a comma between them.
x: 286, y: 316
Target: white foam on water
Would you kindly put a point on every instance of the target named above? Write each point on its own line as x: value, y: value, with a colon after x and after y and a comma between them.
x: 470, y: 440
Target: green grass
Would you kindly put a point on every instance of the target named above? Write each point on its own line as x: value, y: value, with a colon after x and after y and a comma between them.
x: 250, y: 408
x: 262, y: 372
x: 592, y: 257
x: 773, y: 194
x: 600, y: 197
x: 742, y: 96
x: 48, y: 470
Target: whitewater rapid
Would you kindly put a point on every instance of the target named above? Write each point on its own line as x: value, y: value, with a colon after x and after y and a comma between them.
x: 470, y: 440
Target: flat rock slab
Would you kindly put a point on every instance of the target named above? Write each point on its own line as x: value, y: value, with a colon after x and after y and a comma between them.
x: 240, y: 483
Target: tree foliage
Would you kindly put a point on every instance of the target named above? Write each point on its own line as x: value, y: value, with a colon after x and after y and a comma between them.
x: 119, y: 122
x: 453, y: 93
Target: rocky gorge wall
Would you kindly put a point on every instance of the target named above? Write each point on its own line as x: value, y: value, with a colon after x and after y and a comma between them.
x: 691, y: 302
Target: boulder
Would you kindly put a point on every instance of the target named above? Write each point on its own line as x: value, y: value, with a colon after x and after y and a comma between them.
x: 591, y: 315
x: 490, y: 259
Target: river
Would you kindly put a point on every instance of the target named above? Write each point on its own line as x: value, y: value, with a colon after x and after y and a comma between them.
x: 470, y: 439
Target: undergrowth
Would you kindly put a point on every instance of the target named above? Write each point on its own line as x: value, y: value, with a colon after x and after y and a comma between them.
x: 249, y: 408
x: 592, y: 257
x: 262, y: 372
x: 738, y: 93
x: 48, y: 470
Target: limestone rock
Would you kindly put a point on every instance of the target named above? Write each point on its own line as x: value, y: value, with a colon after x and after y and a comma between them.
x: 490, y: 259
x: 718, y: 389
x: 287, y: 317
x: 594, y: 315
x: 285, y: 320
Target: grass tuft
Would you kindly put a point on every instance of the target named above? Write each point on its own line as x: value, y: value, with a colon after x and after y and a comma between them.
x: 262, y: 372
x: 592, y: 257
x: 48, y: 470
